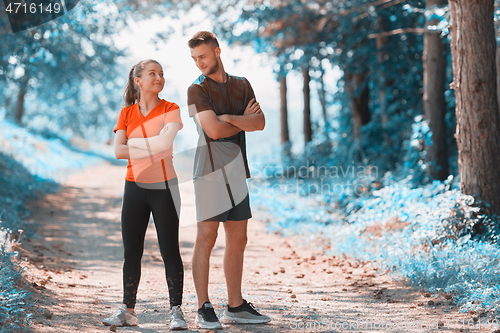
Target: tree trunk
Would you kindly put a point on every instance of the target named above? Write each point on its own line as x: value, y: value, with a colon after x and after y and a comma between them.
x: 307, y: 105
x: 23, y: 86
x: 360, y: 96
x: 380, y: 43
x: 498, y: 64
x: 478, y: 119
x: 434, y: 104
x: 322, y: 100
x: 285, y: 137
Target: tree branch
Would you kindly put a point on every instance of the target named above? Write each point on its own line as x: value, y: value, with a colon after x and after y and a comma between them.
x: 398, y: 31
x: 386, y: 5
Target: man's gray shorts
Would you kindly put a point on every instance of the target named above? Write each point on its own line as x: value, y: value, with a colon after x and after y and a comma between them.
x: 218, y: 201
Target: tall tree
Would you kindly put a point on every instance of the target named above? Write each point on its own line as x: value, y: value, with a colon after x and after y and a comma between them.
x: 321, y: 89
x: 478, y: 118
x: 307, y: 104
x: 359, y: 92
x: 434, y: 87
x: 285, y: 136
x: 23, y: 86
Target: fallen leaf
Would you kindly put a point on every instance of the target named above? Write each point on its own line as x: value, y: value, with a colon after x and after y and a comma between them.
x: 47, y: 314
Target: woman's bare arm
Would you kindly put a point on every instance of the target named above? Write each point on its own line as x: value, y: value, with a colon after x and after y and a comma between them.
x: 157, y: 144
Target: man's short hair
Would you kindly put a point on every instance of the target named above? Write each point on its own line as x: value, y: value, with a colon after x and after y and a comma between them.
x: 203, y: 37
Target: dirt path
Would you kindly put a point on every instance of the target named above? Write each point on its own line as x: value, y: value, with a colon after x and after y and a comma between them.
x: 75, y: 268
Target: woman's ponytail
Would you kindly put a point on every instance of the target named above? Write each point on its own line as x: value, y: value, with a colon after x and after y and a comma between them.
x: 132, y: 92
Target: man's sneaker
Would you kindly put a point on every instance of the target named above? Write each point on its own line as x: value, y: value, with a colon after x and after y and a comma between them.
x: 122, y: 317
x: 206, y: 317
x: 177, y: 321
x: 244, y: 314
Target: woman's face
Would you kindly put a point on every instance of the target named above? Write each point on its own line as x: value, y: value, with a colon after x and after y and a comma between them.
x: 151, y: 79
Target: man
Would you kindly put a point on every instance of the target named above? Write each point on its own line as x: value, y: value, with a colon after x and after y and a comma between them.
x: 224, y: 108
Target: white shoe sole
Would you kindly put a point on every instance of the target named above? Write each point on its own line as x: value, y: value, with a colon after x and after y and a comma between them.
x: 235, y: 320
x: 214, y: 326
x: 119, y: 325
x: 178, y: 325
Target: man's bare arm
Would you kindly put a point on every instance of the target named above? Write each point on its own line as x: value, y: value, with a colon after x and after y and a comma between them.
x: 214, y: 127
x: 225, y: 125
x: 247, y: 123
x: 252, y: 119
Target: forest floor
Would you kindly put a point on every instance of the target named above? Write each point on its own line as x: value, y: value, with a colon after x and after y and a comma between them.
x: 74, y: 269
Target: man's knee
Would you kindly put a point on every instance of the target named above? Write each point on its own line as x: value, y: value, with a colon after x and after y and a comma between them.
x: 236, y: 234
x: 206, y: 236
x: 237, y: 242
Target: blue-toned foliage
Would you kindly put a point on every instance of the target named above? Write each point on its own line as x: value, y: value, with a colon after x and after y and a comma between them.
x: 13, y: 298
x: 378, y: 47
x: 432, y: 235
x: 45, y: 156
x: 17, y: 185
x: 30, y: 165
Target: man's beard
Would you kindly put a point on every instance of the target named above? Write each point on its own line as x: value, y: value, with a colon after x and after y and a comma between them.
x: 213, y: 70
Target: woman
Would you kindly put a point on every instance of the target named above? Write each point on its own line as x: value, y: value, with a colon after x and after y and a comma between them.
x: 145, y: 131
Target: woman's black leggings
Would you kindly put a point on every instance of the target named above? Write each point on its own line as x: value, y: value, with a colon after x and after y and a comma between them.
x: 138, y: 204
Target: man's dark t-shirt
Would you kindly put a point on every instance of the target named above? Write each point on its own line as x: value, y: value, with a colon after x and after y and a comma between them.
x: 230, y: 97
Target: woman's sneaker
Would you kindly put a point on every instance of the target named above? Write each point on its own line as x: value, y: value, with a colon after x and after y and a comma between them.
x: 122, y: 317
x: 206, y: 317
x: 244, y: 314
x: 177, y: 321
